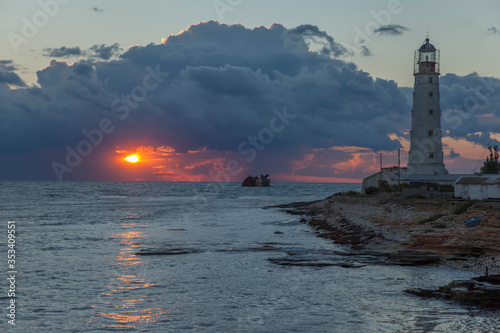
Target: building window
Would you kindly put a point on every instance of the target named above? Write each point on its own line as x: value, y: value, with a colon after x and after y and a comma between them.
x: 431, y: 133
x: 430, y: 94
x: 430, y: 79
x: 431, y: 112
x: 431, y: 155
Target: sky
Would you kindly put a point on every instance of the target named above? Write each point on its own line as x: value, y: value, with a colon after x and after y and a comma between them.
x: 214, y: 90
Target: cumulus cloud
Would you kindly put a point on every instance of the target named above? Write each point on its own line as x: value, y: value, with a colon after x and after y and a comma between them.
x: 470, y: 106
x: 391, y: 30
x: 8, y: 76
x: 97, y: 9
x: 212, y: 88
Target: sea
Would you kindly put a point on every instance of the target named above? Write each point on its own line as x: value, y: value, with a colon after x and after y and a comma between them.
x: 214, y: 249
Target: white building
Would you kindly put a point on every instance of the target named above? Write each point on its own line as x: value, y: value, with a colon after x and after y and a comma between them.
x: 478, y: 187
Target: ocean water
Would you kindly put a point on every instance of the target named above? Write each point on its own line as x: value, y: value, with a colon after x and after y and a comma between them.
x: 77, y: 268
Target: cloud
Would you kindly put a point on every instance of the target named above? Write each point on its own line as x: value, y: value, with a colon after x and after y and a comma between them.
x: 97, y: 9
x: 63, y: 52
x: 314, y: 37
x: 102, y: 51
x: 8, y: 76
x: 391, y: 30
x: 216, y: 88
x: 470, y: 107
x: 491, y: 31
x: 453, y: 154
x: 365, y: 52
x: 105, y: 52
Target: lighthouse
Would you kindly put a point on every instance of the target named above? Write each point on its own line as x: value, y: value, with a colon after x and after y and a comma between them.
x: 426, y: 149
x: 425, y: 158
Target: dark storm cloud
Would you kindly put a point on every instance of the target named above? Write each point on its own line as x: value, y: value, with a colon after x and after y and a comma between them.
x: 470, y: 104
x: 391, y: 30
x: 63, y: 52
x: 8, y: 76
x: 214, y: 86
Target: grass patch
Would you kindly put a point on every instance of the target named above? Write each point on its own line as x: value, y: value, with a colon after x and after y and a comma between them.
x: 432, y: 218
x: 463, y: 206
x: 440, y: 226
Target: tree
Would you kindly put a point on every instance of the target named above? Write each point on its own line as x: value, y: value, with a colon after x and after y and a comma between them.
x: 491, y: 165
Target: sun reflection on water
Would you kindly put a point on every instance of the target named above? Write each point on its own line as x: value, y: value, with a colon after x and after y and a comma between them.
x: 128, y: 301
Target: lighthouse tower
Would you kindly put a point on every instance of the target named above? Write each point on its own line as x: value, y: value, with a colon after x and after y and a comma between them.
x: 426, y: 149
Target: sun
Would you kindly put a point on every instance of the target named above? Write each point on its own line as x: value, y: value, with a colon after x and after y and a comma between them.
x: 132, y: 158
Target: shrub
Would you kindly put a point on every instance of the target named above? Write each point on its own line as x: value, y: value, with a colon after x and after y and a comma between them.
x: 371, y: 190
x: 463, y: 206
x: 432, y: 218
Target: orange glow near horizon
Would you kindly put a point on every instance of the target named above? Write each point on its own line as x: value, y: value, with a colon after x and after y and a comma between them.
x: 336, y: 164
x: 132, y: 158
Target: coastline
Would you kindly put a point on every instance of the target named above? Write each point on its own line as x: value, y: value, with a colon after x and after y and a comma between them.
x: 414, y: 231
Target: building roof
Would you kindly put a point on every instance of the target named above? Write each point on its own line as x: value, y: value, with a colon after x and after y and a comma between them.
x: 472, y: 180
x: 479, y: 180
x: 449, y: 178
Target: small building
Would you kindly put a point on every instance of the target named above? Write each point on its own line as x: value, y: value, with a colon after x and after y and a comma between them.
x: 478, y: 187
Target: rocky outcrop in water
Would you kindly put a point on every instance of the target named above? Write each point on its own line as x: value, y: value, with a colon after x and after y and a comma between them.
x: 483, y: 291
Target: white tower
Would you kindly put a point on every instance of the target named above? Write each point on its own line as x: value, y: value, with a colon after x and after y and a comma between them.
x: 426, y: 149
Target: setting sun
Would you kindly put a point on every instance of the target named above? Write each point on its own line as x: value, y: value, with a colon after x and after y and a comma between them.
x: 132, y: 158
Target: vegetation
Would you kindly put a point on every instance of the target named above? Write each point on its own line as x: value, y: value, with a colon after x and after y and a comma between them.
x: 491, y: 165
x: 463, y: 206
x: 371, y: 190
x: 440, y: 226
x: 437, y: 187
x: 394, y: 188
x: 432, y: 218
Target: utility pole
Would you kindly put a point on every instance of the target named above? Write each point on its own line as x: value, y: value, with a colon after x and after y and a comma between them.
x: 380, y: 183
x: 399, y: 169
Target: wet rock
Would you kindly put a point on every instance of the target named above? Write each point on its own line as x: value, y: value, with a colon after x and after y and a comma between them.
x: 165, y: 252
x: 413, y: 258
x: 265, y: 248
x: 311, y: 262
x: 476, y: 291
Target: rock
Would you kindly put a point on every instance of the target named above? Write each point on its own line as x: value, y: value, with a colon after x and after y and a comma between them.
x: 476, y: 291
x: 413, y: 258
x: 165, y: 252
x: 312, y: 262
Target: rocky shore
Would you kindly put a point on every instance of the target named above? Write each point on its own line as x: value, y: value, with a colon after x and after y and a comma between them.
x: 415, y: 232
x: 388, y: 223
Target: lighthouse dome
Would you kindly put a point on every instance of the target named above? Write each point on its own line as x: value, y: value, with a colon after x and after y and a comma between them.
x: 427, y: 47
